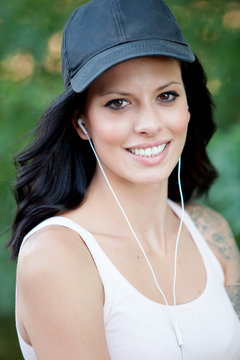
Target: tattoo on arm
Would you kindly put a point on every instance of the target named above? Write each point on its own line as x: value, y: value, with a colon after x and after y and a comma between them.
x: 215, y: 231
x: 219, y: 241
x: 234, y: 295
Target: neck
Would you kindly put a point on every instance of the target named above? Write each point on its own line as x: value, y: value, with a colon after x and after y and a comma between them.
x: 145, y: 206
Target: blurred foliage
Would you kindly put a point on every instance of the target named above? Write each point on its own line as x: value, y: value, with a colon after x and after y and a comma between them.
x: 9, y: 348
x: 30, y: 79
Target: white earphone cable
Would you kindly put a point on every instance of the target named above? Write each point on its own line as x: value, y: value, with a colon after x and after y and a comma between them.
x: 128, y: 222
x: 179, y: 232
x: 173, y: 320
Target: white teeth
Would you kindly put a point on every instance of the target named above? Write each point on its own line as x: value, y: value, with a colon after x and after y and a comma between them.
x: 149, y: 152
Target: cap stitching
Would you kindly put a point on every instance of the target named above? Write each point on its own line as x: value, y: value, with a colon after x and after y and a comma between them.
x: 117, y: 12
x: 183, y: 56
x: 136, y: 45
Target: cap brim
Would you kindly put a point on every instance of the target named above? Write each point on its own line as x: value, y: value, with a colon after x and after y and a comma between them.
x: 103, y: 61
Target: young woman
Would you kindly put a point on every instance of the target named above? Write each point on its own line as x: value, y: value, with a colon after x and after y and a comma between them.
x: 111, y: 266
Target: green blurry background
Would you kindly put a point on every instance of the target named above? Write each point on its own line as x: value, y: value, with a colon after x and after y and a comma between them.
x: 30, y: 38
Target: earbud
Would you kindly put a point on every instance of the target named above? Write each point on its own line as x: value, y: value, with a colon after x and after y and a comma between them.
x: 82, y: 126
x: 172, y: 316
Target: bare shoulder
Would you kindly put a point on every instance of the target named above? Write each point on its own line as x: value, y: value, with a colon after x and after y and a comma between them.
x: 217, y: 233
x: 60, y: 296
x: 54, y: 249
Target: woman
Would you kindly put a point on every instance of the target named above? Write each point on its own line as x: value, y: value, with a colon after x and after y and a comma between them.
x: 109, y: 267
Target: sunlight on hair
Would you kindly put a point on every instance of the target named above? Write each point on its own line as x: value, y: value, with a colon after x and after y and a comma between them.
x: 18, y: 67
x: 53, y: 59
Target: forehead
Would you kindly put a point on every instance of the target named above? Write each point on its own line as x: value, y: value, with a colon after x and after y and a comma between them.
x: 144, y: 70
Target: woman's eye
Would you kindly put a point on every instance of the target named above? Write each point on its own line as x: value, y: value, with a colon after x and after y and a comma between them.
x: 117, y: 104
x: 167, y: 97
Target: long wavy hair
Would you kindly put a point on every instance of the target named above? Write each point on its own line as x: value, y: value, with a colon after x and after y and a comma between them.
x: 54, y: 173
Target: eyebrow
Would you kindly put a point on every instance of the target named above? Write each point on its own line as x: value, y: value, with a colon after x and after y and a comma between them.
x: 119, y: 92
x: 168, y: 84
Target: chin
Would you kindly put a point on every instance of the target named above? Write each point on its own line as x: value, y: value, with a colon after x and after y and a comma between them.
x: 149, y: 179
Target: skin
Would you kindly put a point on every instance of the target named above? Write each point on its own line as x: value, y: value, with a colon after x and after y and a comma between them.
x: 140, y: 114
x: 60, y: 293
x: 217, y: 233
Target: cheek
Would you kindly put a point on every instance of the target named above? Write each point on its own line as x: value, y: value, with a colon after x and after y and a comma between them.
x: 108, y: 135
x: 108, y: 130
x: 179, y: 122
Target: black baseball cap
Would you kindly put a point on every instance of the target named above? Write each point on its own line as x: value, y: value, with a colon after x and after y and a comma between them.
x: 104, y: 33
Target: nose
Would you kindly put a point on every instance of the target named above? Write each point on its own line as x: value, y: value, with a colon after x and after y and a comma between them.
x: 148, y: 121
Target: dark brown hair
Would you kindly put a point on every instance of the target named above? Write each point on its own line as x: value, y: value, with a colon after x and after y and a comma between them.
x: 54, y: 173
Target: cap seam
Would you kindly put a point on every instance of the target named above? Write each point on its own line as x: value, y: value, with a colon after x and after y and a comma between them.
x: 118, y: 27
x: 117, y: 17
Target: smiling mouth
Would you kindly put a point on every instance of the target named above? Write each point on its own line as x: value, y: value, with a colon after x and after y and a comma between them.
x: 148, y: 152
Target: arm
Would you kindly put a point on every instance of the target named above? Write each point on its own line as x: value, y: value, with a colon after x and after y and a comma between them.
x: 217, y: 233
x: 60, y: 297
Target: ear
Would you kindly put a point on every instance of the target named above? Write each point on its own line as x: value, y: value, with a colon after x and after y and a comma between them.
x: 76, y: 126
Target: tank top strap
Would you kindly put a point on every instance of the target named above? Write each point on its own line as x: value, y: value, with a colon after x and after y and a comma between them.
x: 209, y: 259
x: 98, y: 255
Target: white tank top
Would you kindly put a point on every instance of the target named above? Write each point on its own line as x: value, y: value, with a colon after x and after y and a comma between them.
x: 138, y: 328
